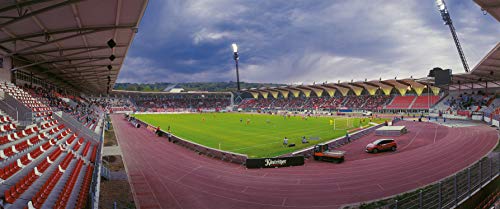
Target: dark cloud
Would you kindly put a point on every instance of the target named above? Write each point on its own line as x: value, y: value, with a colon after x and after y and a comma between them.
x: 302, y: 41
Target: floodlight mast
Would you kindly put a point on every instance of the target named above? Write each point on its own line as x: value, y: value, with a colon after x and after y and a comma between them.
x: 236, y: 58
x: 447, y: 21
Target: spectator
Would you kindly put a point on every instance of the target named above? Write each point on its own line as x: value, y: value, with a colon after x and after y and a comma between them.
x: 304, y: 140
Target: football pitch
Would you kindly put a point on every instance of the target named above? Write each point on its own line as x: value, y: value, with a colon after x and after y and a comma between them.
x: 256, y: 135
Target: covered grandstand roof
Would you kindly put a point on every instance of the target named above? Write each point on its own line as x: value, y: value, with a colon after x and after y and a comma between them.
x: 67, y: 39
x: 489, y: 66
x: 355, y: 88
x: 491, y: 6
x: 485, y: 74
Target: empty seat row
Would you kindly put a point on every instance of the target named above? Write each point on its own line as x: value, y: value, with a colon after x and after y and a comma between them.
x: 14, y: 149
x: 86, y: 149
x: 5, y: 119
x: 49, y: 124
x: 18, y: 135
x: 94, y: 154
x: 41, y: 113
x: 401, y: 102
x: 84, y: 191
x: 22, y: 185
x: 42, y: 194
x: 425, y: 102
x: 7, y: 127
x: 49, y: 118
x: 16, y: 166
x: 56, y: 129
x: 78, y: 144
x: 65, y: 194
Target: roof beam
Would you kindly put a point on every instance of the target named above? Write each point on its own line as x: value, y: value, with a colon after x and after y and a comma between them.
x: 78, y: 30
x: 61, y: 60
x: 82, y: 66
x: 89, y: 72
x: 21, y: 5
x: 92, y: 75
x: 31, y: 14
x: 67, y: 30
x: 68, y: 49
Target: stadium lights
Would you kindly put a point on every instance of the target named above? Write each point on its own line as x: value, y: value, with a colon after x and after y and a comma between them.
x: 235, y: 48
x: 447, y: 21
x: 441, y: 5
x: 236, y: 58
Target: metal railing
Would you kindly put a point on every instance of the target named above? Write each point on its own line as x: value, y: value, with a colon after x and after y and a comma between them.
x: 17, y: 110
x: 72, y: 123
x: 95, y: 187
x: 448, y: 192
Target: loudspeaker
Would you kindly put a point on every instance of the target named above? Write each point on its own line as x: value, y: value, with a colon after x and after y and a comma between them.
x: 112, y: 57
x: 111, y: 43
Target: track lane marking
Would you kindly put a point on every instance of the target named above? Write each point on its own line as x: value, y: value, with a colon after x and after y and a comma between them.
x: 244, y: 190
x: 188, y: 173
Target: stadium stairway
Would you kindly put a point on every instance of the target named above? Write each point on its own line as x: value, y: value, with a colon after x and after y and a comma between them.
x: 412, y: 102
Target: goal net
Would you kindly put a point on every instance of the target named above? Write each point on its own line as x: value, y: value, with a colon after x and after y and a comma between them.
x: 343, y: 123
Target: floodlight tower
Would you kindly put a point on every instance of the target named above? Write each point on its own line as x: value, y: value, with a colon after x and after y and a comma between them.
x: 236, y: 58
x: 447, y: 21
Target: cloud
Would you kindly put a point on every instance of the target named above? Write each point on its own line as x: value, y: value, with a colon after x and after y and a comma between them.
x: 204, y: 35
x: 303, y: 41
x: 144, y: 70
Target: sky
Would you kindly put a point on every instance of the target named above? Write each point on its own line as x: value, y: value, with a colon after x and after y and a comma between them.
x: 299, y: 41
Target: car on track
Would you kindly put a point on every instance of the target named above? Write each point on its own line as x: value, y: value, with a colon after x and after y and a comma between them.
x: 381, y: 145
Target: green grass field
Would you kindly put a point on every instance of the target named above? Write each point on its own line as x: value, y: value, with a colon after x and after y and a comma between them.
x: 262, y: 137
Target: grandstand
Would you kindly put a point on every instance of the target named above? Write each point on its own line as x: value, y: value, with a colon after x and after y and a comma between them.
x: 51, y: 135
x: 59, y: 61
x: 379, y: 96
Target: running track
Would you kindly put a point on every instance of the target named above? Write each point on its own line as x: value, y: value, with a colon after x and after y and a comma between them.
x: 165, y: 175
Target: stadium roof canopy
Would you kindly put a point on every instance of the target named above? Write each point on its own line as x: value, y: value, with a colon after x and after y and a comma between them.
x: 66, y: 40
x: 347, y: 88
x: 490, y: 6
x: 485, y: 74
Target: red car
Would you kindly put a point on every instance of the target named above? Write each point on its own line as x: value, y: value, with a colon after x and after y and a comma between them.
x: 381, y: 145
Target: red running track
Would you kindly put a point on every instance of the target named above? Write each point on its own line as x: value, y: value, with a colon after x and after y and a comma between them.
x: 165, y: 175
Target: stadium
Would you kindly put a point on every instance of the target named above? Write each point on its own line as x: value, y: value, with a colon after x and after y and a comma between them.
x: 73, y: 137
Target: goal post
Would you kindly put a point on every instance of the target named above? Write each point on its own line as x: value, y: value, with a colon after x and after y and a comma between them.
x: 343, y: 123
